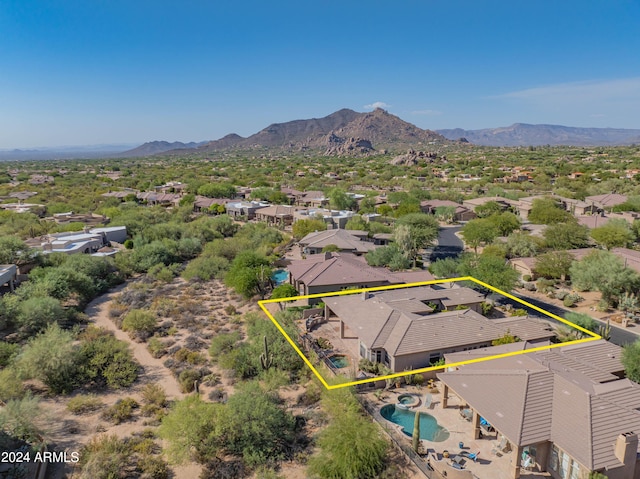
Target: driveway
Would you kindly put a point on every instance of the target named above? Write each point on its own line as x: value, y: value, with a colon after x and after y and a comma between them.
x: 449, y: 245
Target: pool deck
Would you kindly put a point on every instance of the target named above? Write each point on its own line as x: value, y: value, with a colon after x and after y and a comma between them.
x: 488, y: 465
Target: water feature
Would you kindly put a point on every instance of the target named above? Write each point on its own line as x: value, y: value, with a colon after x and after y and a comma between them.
x: 429, y: 427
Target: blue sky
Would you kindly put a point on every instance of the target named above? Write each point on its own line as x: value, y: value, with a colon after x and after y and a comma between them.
x: 110, y: 71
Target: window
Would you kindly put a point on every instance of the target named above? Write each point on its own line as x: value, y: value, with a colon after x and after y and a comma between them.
x: 363, y: 351
x: 378, y: 356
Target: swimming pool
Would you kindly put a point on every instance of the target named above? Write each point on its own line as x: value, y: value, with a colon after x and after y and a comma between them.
x: 339, y: 361
x: 280, y: 276
x: 429, y: 427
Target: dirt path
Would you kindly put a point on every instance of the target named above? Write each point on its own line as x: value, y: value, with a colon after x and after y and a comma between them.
x: 153, y: 369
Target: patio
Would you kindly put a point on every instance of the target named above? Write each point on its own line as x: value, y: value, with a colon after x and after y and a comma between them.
x: 488, y: 465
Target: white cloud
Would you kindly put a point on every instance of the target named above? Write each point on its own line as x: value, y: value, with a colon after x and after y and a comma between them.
x: 426, y: 112
x: 377, y: 104
x: 627, y: 89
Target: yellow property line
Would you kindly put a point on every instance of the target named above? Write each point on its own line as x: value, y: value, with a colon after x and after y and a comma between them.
x: 593, y: 336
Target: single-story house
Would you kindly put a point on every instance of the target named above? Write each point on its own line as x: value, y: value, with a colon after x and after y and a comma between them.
x: 117, y: 234
x: 335, y: 219
x: 606, y: 202
x: 315, y: 199
x: 244, y: 209
x: 414, y: 328
x: 328, y: 272
x: 566, y: 410
x: 461, y: 213
x: 348, y: 241
x: 280, y: 215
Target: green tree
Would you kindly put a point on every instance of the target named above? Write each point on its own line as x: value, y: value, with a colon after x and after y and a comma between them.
x: 603, y: 271
x: 479, y: 231
x: 414, y: 232
x: 615, y: 233
x: 51, y: 358
x: 356, y: 223
x: 302, y: 228
x: 192, y: 429
x: 546, y: 211
x: 14, y: 251
x: 391, y: 256
x: 23, y: 419
x: 284, y: 291
x: 554, y: 265
x: 567, y: 235
x: 489, y: 269
x: 445, y: 268
x: 584, y: 321
x: 35, y: 314
x: 256, y: 427
x: 520, y: 245
x: 351, y: 446
x: 631, y: 361
x: 488, y: 209
x: 340, y: 200
x: 250, y: 274
x: 445, y: 213
x: 217, y: 190
x: 505, y: 222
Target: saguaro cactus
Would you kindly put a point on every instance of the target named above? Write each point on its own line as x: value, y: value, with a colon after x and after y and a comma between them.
x: 266, y: 358
x: 415, y: 438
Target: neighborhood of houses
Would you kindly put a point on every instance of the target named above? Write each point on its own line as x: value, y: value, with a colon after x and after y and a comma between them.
x: 563, y: 412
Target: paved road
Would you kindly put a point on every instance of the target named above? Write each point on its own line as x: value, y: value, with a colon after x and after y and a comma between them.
x: 618, y: 336
x: 449, y: 245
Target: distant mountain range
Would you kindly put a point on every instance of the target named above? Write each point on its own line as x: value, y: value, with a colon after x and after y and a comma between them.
x: 337, y: 133
x: 63, y: 152
x: 347, y: 132
x: 522, y: 134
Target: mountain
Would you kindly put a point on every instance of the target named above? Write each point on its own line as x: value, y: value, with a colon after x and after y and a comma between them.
x: 385, y: 130
x: 344, y: 132
x: 523, y: 134
x: 63, y: 152
x: 297, y: 132
x: 155, y: 147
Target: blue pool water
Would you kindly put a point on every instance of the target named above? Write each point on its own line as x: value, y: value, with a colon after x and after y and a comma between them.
x: 280, y: 276
x: 339, y: 361
x: 429, y: 427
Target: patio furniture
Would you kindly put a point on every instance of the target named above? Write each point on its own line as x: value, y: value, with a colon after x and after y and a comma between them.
x: 502, y: 447
x: 428, y: 399
x: 467, y: 414
x: 471, y: 455
x: 457, y: 460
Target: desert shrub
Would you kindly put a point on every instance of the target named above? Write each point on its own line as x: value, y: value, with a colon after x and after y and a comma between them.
x: 568, y: 301
x: 139, y: 323
x: 221, y: 469
x: 156, y: 347
x: 163, y: 273
x: 545, y: 285
x: 104, y: 457
x: 10, y: 385
x: 518, y: 312
x: 84, y: 403
x: 106, y: 361
x: 121, y: 411
x: 230, y: 309
x: 153, y: 467
x: 526, y: 277
x: 418, y: 379
x: 7, y: 352
x: 191, y: 357
x: 222, y: 344
x: 187, y: 380
x: 561, y: 294
x: 154, y: 394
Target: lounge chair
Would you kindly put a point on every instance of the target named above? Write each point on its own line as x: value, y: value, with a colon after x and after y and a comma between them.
x: 428, y: 399
x: 466, y: 413
x: 471, y: 455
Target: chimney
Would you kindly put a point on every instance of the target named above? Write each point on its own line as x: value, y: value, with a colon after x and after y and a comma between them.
x: 625, y: 450
x: 327, y: 255
x: 365, y: 295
